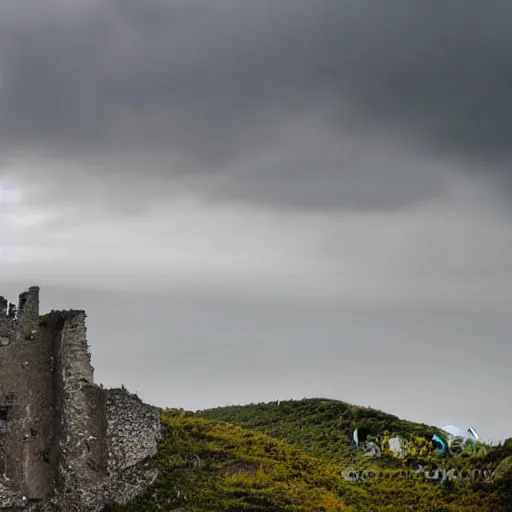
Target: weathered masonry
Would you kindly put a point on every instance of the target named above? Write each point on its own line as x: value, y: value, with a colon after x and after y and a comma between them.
x: 65, y: 442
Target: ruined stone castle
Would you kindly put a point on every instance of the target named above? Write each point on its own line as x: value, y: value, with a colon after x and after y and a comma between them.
x: 65, y: 443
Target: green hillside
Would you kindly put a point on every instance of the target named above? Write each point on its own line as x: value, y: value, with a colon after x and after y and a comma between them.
x: 320, y: 427
x: 294, y: 458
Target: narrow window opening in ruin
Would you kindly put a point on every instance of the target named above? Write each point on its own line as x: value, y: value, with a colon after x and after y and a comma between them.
x: 10, y: 398
x: 4, y: 416
x: 44, y: 457
x: 3, y: 459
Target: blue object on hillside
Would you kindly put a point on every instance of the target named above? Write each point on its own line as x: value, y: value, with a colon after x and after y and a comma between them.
x: 443, y: 449
x: 355, y: 437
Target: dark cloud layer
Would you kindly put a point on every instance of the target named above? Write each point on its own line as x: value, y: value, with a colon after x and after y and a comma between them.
x: 111, y: 106
x: 200, y: 85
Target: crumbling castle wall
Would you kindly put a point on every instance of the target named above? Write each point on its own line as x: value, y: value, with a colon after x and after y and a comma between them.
x: 81, y: 403
x: 27, y: 400
x: 64, y: 441
x: 129, y: 418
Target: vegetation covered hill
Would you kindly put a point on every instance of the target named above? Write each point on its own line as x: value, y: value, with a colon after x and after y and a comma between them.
x: 295, y: 457
x: 320, y: 427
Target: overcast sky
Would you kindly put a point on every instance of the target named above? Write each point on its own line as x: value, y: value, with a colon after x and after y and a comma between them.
x: 269, y: 199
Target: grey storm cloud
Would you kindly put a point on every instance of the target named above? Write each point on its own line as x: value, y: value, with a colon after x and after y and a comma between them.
x: 166, y: 152
x: 274, y: 95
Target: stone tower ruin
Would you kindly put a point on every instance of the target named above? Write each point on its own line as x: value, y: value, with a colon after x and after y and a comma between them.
x: 65, y: 443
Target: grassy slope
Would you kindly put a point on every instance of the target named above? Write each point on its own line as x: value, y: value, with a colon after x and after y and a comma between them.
x: 320, y: 427
x: 214, y: 466
x: 210, y: 465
